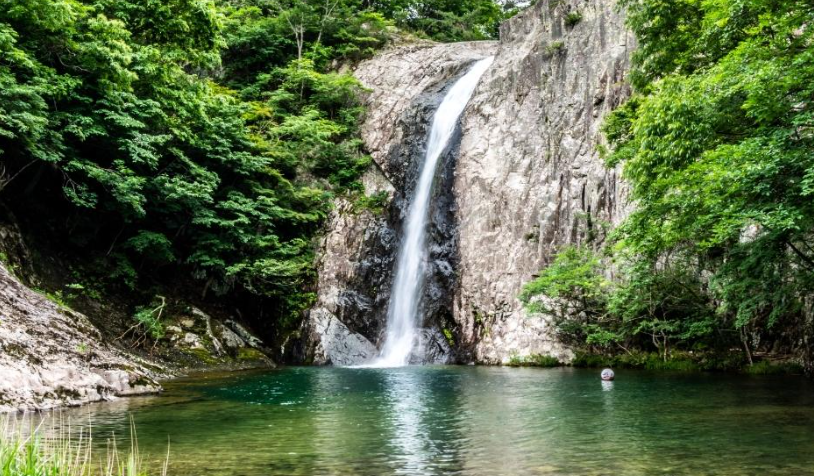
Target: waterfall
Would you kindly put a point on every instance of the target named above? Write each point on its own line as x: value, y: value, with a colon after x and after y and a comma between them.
x: 402, y: 313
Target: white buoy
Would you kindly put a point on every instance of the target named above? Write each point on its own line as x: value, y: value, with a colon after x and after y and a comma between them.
x: 608, y: 375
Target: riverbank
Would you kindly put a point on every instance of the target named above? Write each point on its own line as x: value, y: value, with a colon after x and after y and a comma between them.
x: 53, y: 356
x: 734, y: 362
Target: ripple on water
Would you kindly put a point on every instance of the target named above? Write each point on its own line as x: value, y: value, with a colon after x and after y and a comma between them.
x: 470, y: 421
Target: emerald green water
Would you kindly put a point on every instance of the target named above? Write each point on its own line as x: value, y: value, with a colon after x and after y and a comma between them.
x: 472, y: 421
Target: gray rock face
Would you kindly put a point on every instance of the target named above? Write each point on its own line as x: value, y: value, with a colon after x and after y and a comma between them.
x: 432, y: 348
x: 529, y: 178
x: 338, y: 345
x: 523, y: 179
x: 51, y: 356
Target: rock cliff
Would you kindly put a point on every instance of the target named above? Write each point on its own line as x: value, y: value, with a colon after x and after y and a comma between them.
x: 523, y: 178
x: 359, y: 250
x: 529, y: 178
x: 51, y: 356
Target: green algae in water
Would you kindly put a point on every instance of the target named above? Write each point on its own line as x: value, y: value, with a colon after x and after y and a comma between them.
x: 471, y: 421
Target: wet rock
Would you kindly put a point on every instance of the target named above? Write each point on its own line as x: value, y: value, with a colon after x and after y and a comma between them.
x: 338, y: 345
x: 230, y: 339
x: 432, y: 348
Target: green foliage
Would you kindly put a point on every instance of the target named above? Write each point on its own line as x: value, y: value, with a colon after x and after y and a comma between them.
x: 572, y: 19
x: 573, y: 291
x: 195, y: 139
x: 447, y: 20
x: 262, y: 35
x: 533, y: 360
x: 450, y: 338
x: 555, y: 48
x: 668, y: 304
x: 57, y: 297
x: 717, y: 144
x: 149, y: 320
x: 644, y: 306
x: 680, y: 361
x: 38, y: 454
x: 765, y: 367
x: 375, y: 203
x: 112, y: 103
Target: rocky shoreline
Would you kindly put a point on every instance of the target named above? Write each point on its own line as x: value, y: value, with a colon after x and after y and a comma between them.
x: 51, y: 356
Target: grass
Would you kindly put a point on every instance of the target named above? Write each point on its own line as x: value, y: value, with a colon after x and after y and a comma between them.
x: 682, y: 361
x: 56, y: 297
x: 533, y: 360
x: 688, y: 361
x: 678, y: 361
x: 572, y: 19
x: 375, y: 203
x: 766, y: 367
x: 555, y: 47
x: 60, y: 452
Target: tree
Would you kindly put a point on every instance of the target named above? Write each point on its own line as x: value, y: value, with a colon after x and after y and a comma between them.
x: 717, y: 144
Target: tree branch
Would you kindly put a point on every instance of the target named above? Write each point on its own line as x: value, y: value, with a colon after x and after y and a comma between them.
x: 806, y: 259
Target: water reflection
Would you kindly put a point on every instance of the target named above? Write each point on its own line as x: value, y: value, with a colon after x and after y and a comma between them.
x: 406, y: 399
x: 467, y: 421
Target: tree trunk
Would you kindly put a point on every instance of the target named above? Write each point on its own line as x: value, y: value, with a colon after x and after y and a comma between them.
x: 745, y: 341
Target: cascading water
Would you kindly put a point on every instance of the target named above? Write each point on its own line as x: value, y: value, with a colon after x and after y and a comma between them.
x: 402, y: 314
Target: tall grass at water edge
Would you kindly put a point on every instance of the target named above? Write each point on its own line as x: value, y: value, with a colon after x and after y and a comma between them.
x: 58, y: 450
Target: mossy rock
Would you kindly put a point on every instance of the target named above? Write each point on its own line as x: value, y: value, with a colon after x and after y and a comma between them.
x: 247, y: 354
x: 203, y: 355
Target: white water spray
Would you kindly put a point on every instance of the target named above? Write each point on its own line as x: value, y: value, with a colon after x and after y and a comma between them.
x: 402, y: 314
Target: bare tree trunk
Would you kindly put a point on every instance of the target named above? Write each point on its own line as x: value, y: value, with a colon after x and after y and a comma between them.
x: 745, y: 341
x: 328, y: 9
x: 656, y: 343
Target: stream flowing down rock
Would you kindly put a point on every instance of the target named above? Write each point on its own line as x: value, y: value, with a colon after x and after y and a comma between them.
x: 524, y: 179
x: 357, y: 255
x: 51, y: 356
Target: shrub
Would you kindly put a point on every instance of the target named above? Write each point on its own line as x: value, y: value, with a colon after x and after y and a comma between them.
x: 555, y: 47
x: 767, y: 367
x: 572, y: 19
x: 681, y: 361
x: 533, y: 360
x: 374, y: 203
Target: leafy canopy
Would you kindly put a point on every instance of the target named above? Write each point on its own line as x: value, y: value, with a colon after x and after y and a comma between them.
x: 163, y: 140
x: 717, y: 144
